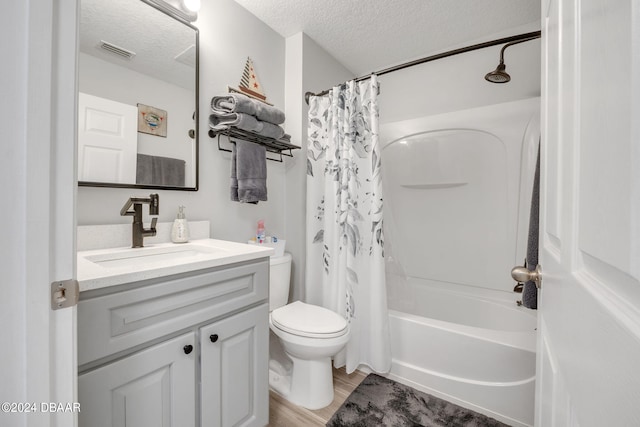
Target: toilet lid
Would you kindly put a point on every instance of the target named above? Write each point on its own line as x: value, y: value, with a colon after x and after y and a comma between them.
x: 308, y: 320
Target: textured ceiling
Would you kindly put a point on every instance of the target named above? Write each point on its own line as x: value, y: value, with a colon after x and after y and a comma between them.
x: 369, y: 35
x: 157, y: 40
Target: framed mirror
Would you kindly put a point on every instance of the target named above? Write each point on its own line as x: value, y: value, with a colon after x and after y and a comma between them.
x: 138, y: 97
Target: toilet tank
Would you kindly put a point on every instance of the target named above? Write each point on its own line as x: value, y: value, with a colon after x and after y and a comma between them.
x: 279, y: 279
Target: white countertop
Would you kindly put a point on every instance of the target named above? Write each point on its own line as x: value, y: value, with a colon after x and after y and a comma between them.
x: 102, y: 267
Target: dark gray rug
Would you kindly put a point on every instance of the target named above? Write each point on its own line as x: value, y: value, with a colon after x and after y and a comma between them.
x: 379, y: 401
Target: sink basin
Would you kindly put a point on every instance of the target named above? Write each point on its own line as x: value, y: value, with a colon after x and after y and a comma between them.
x: 139, y: 257
x: 101, y: 268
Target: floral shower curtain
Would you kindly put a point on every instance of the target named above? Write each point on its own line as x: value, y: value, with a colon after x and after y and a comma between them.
x: 345, y: 258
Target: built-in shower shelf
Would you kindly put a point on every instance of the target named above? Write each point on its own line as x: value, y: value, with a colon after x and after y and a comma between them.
x: 433, y: 186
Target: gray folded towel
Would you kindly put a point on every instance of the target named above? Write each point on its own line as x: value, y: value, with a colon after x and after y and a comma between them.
x: 248, y: 172
x: 220, y: 121
x: 239, y: 103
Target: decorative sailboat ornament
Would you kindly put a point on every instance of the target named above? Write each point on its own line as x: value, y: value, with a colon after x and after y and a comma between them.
x: 249, y: 84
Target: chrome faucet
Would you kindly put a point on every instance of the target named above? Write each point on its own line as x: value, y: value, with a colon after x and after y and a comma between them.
x: 139, y: 232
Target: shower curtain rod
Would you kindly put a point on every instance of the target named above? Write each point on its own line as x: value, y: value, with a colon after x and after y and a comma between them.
x: 520, y: 37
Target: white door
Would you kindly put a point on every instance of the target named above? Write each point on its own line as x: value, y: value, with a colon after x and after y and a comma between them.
x: 107, y: 140
x: 589, y: 308
x: 37, y: 170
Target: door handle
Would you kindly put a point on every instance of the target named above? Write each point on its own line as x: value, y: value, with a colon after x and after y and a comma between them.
x: 523, y: 274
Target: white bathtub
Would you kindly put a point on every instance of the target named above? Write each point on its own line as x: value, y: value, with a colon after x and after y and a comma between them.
x: 457, y: 192
x: 489, y: 367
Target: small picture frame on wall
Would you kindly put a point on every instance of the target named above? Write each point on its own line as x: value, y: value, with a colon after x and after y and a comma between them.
x: 152, y: 120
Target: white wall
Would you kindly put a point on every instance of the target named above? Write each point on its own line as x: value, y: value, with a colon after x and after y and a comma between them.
x: 108, y: 80
x: 228, y: 34
x: 457, y: 83
x: 308, y: 68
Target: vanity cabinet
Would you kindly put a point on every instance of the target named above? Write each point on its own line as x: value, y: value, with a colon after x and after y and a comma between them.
x: 153, y: 387
x: 234, y: 372
x: 185, y: 350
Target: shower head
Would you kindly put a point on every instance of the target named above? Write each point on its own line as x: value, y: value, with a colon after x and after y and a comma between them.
x: 499, y: 75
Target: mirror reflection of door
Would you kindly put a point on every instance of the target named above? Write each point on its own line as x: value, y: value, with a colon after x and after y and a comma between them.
x: 107, y: 140
x: 136, y: 55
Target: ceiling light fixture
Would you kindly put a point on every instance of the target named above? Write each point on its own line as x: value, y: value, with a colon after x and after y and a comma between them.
x: 192, y: 5
x: 186, y: 10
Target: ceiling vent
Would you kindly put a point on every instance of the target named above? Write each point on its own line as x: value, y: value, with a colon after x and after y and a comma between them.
x: 116, y: 50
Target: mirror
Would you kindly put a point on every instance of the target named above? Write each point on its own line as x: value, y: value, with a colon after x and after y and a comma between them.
x: 138, y: 97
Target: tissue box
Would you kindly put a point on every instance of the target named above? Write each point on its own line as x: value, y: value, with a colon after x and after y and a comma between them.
x: 278, y: 246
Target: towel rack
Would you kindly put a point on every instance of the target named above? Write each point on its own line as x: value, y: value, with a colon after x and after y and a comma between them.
x: 272, y: 145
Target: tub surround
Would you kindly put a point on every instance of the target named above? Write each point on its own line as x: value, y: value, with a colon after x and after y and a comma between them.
x: 456, y: 332
x: 493, y: 150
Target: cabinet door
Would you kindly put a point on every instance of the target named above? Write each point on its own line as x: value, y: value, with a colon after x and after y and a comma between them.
x: 154, y: 387
x: 235, y: 372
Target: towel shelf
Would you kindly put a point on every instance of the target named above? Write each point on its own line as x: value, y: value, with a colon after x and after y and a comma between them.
x: 272, y: 145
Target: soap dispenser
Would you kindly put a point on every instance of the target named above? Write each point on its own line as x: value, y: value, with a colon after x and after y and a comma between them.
x: 180, y: 229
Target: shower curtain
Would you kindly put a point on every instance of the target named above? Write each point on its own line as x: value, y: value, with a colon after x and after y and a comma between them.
x: 345, y: 257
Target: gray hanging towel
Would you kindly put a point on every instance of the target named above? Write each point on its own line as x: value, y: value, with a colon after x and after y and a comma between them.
x: 248, y: 172
x: 156, y: 170
x: 530, y: 292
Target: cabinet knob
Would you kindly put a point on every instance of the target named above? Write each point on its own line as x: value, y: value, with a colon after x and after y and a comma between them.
x: 213, y: 337
x: 187, y: 349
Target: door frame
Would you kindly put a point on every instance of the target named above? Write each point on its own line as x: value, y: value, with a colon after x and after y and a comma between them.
x: 63, y: 195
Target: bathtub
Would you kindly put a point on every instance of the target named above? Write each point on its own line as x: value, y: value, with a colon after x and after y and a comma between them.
x: 488, y: 367
x: 457, y: 195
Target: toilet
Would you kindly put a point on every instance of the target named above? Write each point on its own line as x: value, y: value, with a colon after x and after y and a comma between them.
x: 304, y: 338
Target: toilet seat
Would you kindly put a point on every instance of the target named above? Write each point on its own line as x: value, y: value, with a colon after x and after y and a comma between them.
x: 307, y: 320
